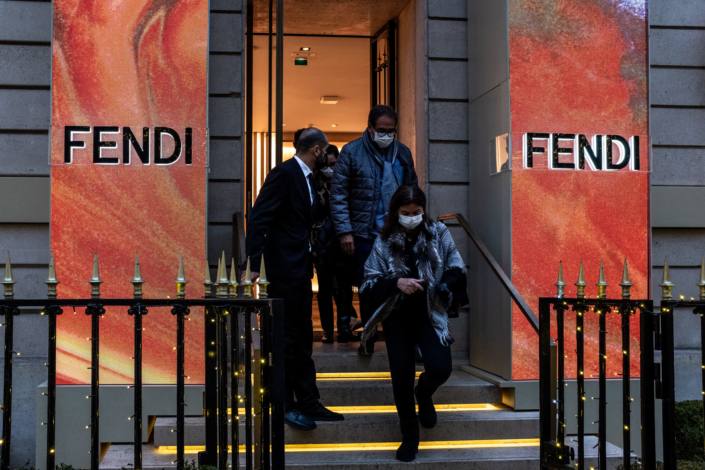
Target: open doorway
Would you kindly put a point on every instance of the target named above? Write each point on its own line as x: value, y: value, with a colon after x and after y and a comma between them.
x: 339, y: 59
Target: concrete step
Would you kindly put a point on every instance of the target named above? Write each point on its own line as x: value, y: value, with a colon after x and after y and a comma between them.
x: 464, y: 455
x: 495, y: 422
x: 460, y: 388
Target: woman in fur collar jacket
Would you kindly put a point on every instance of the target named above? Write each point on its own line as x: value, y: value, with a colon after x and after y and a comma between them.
x: 417, y: 277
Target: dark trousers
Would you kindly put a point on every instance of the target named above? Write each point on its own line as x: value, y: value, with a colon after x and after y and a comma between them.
x: 402, y: 333
x: 330, y: 277
x: 363, y: 248
x: 299, y: 370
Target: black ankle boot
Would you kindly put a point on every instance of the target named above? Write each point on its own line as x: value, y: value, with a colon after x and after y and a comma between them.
x: 409, y: 440
x: 427, y: 412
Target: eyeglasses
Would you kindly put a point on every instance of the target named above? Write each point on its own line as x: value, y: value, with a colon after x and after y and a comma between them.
x: 389, y: 132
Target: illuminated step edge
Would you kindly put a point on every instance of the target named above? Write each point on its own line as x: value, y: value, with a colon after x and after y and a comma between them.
x: 478, y: 444
x: 355, y: 376
x: 392, y: 409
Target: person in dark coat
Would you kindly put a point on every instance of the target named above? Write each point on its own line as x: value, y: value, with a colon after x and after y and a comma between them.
x: 368, y: 172
x: 279, y: 227
x: 333, y: 267
x: 417, y: 276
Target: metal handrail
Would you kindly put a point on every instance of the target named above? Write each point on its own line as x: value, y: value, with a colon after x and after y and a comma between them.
x: 496, y: 268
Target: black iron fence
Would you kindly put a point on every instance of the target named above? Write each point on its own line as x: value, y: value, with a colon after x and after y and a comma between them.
x: 656, y: 379
x: 232, y: 318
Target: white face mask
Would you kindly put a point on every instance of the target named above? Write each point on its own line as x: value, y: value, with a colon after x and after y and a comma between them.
x: 384, y: 140
x: 410, y: 223
x: 327, y: 172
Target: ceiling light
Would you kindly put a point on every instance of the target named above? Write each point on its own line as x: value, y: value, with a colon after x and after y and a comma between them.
x: 329, y: 99
x: 305, y: 49
x: 334, y: 125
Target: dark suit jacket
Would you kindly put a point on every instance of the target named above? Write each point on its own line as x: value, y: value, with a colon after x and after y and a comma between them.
x: 280, y: 223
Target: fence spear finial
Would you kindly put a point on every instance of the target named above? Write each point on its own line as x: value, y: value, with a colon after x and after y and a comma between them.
x: 8, y: 282
x: 181, y: 279
x: 222, y: 284
x: 95, y: 281
x: 52, y: 281
x: 581, y: 284
x: 233, y: 279
x: 248, y: 281
x: 602, y: 283
x: 263, y: 282
x: 666, y: 284
x: 560, y: 285
x: 207, y: 284
x: 137, y: 280
x: 701, y: 284
x: 625, y: 284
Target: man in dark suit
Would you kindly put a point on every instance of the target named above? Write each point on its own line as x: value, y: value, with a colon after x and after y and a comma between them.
x: 280, y: 226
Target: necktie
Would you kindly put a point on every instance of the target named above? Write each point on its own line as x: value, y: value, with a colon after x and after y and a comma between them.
x: 312, y: 186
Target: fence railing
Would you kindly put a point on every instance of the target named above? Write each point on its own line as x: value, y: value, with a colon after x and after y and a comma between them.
x: 656, y: 380
x: 229, y: 318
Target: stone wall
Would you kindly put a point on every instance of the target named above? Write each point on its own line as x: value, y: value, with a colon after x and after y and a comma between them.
x: 677, y: 85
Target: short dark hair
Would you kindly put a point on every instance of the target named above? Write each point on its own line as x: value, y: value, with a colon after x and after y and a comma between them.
x: 406, y: 194
x: 310, y: 138
x: 333, y: 149
x: 379, y: 111
x: 297, y: 136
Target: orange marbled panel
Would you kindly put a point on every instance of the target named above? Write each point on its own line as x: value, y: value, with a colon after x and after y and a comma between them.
x: 578, y: 66
x: 136, y: 63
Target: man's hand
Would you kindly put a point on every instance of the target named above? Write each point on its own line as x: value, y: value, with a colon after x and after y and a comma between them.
x: 410, y: 286
x: 253, y: 276
x: 347, y: 243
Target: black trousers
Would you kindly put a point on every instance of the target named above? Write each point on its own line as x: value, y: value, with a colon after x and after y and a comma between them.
x: 299, y: 370
x: 328, y: 276
x: 363, y: 248
x: 402, y: 333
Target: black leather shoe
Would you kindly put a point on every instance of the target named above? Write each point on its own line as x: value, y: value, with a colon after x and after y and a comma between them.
x: 297, y: 420
x: 321, y: 413
x: 327, y: 337
x: 345, y: 336
x: 366, y: 350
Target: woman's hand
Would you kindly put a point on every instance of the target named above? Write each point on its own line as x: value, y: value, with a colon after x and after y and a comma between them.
x: 410, y: 286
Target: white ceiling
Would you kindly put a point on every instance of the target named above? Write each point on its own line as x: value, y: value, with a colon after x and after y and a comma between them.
x: 341, y: 67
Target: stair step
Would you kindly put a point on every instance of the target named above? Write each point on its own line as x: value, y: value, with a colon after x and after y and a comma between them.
x: 344, y: 358
x: 460, y: 455
x: 497, y: 422
x: 460, y: 388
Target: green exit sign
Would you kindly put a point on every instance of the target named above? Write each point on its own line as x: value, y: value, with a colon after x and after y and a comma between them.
x: 300, y: 61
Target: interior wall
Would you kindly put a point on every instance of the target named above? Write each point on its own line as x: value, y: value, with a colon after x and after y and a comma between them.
x: 489, y: 207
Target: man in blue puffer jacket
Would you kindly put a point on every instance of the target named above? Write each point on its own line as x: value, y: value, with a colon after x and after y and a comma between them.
x: 368, y: 172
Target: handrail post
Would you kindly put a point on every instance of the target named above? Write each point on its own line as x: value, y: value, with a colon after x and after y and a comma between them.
x: 265, y: 346
x: 648, y: 418
x: 6, y: 442
x: 95, y: 312
x: 668, y: 386
x: 211, y: 378
x: 545, y: 380
x: 277, y: 384
x: 51, y: 388
x: 179, y: 311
